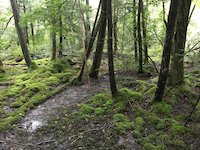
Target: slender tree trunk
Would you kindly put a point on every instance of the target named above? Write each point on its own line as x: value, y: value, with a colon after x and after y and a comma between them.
x: 32, y: 33
x: 135, y: 31
x: 115, y: 24
x: 95, y: 30
x: 144, y: 33
x: 140, y: 39
x: 110, y: 50
x: 100, y: 43
x: 61, y: 36
x: 20, y: 33
x: 177, y: 71
x: 87, y: 26
x: 26, y: 28
x: 166, y: 51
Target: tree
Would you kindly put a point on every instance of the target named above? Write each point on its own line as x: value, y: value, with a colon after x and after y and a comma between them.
x: 140, y: 70
x: 100, y: 42
x: 115, y: 24
x: 135, y: 31
x: 20, y: 33
x: 177, y: 70
x: 144, y: 33
x: 110, y: 49
x: 166, y: 50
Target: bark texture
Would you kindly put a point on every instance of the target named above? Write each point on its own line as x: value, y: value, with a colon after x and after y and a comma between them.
x: 177, y: 70
x: 140, y: 70
x: 20, y: 33
x: 110, y: 50
x: 166, y: 51
x: 100, y: 43
x: 135, y: 31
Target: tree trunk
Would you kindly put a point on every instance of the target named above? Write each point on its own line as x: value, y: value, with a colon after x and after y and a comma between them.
x: 115, y: 25
x: 177, y: 71
x: 140, y: 39
x: 100, y: 43
x: 110, y: 50
x: 61, y: 36
x: 166, y: 51
x: 95, y: 30
x: 135, y: 31
x: 26, y: 28
x: 87, y: 27
x: 144, y: 33
x: 20, y: 33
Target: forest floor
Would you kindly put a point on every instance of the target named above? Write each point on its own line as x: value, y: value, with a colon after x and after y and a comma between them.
x: 75, y: 118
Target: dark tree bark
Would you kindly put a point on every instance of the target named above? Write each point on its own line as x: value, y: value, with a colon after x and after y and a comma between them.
x: 61, y: 36
x: 135, y: 31
x: 166, y: 51
x: 95, y: 30
x: 32, y: 33
x: 140, y: 70
x: 115, y: 24
x: 20, y: 33
x: 110, y: 50
x: 100, y: 43
x: 26, y: 27
x: 177, y: 71
x: 87, y: 27
x: 53, y: 34
x: 144, y: 33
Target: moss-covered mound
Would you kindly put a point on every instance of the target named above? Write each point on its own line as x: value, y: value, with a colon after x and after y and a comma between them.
x: 33, y: 87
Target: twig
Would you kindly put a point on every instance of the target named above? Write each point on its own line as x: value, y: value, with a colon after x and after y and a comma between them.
x: 192, y: 111
x: 6, y: 25
x: 163, y: 3
x: 174, y: 86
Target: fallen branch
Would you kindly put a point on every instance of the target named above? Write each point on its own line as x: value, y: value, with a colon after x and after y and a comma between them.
x: 192, y: 111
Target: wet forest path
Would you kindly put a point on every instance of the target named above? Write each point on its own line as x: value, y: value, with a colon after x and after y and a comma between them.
x: 42, y: 113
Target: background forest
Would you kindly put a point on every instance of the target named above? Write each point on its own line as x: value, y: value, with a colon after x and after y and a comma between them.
x: 124, y: 75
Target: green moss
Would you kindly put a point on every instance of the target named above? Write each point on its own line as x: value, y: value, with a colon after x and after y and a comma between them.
x: 16, y: 104
x: 137, y: 134
x: 151, y: 91
x: 138, y: 111
x: 33, y: 65
x: 153, y: 119
x: 98, y: 100
x: 64, y: 77
x: 164, y: 123
x: 162, y: 109
x: 141, y: 86
x: 1, y: 111
x: 119, y: 118
x: 98, y: 111
x: 181, y: 130
x: 148, y: 146
x: 143, y: 140
x: 179, y: 144
x: 128, y: 96
x: 123, y: 126
x: 2, y: 70
x: 52, y: 81
x: 36, y: 87
x: 139, y: 121
x: 86, y: 109
x: 84, y: 116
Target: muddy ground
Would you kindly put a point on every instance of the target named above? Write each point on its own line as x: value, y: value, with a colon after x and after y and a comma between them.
x: 25, y: 134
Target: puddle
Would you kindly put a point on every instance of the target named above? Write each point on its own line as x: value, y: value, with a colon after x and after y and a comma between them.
x: 32, y: 125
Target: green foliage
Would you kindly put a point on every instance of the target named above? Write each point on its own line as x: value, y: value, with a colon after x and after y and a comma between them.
x: 153, y: 119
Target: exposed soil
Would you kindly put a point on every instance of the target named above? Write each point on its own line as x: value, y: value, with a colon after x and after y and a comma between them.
x: 19, y: 138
